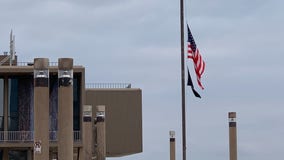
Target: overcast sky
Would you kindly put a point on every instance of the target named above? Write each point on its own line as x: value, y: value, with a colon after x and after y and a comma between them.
x: 138, y: 41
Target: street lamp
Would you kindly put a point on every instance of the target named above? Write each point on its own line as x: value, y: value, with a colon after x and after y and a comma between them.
x: 65, y: 77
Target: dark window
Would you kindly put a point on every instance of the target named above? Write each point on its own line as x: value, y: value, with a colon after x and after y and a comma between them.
x: 76, y: 101
x: 17, y: 155
x: 53, y: 102
x: 13, y: 105
x: 20, y: 103
x: 1, y: 104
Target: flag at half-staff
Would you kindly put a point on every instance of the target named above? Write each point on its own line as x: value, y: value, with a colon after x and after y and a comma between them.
x: 193, y: 53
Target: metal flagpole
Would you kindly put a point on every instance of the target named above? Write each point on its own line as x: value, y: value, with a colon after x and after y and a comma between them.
x: 182, y: 80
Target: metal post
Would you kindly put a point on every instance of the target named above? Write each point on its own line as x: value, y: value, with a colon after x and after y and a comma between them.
x: 182, y: 81
x: 172, y: 145
x: 233, y: 135
x: 65, y: 109
x: 41, y: 109
x: 101, y: 132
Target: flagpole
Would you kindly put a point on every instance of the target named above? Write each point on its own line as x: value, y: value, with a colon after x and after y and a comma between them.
x: 182, y: 81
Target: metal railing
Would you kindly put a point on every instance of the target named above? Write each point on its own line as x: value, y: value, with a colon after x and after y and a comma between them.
x: 53, y: 136
x: 77, y: 136
x: 28, y: 136
x: 16, y: 136
x: 107, y: 85
x: 32, y: 63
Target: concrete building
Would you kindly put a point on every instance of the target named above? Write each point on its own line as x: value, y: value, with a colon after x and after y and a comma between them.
x: 123, y: 114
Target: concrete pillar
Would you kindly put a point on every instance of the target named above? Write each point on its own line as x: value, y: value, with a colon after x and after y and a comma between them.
x: 5, y: 153
x: 41, y: 109
x: 87, y: 133
x: 233, y: 135
x: 29, y: 154
x: 65, y: 109
x: 101, y: 132
x: 172, y: 145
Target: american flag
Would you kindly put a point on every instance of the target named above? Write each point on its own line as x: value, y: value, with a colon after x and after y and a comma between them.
x: 193, y: 53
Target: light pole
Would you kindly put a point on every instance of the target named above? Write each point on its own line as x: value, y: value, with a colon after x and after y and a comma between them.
x: 101, y: 132
x: 172, y: 145
x: 233, y: 135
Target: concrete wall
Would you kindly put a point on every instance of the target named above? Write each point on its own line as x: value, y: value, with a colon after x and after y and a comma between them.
x: 123, y: 118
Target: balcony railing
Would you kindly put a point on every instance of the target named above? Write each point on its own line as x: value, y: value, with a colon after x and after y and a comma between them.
x: 28, y: 136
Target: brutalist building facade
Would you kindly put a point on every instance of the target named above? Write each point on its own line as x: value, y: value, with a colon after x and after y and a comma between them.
x: 19, y: 113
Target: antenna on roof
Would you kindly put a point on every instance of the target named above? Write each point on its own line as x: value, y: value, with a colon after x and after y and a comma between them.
x: 12, y: 47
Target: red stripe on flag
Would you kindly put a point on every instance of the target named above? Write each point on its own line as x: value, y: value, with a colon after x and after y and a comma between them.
x: 199, y: 64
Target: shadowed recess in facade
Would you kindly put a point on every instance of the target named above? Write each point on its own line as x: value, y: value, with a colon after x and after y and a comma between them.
x: 20, y: 103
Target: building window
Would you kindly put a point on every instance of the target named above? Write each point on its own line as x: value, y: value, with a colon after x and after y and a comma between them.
x: 20, y: 103
x: 76, y: 101
x: 53, y: 102
x: 18, y: 154
x: 1, y: 104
